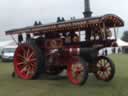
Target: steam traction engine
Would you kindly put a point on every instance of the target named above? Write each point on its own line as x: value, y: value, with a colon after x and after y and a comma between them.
x: 71, y: 45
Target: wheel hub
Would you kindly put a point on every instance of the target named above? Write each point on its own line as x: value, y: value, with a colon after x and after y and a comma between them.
x: 103, y: 69
x: 78, y: 70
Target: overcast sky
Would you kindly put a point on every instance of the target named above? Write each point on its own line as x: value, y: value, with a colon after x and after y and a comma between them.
x: 20, y: 13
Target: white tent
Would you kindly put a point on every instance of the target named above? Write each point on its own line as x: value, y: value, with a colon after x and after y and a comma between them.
x: 122, y: 43
x: 5, y: 43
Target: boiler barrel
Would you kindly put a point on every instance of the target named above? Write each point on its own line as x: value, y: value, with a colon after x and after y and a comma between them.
x: 88, y: 54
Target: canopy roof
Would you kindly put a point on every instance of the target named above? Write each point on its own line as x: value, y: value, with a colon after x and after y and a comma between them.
x: 108, y: 20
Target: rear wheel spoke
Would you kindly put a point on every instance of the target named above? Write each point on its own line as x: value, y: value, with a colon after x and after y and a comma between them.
x: 33, y: 60
x: 27, y: 53
x: 20, y: 63
x: 32, y: 54
x: 20, y: 55
x: 24, y: 69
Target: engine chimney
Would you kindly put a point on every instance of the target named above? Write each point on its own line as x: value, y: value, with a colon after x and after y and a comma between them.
x: 87, y: 12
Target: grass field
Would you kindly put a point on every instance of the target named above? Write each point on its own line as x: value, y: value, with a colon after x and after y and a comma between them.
x: 15, y: 87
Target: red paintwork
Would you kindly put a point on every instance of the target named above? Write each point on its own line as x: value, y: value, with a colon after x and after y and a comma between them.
x: 19, y: 64
x: 77, y: 73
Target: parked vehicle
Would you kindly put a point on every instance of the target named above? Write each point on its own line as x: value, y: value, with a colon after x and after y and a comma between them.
x: 7, y: 53
x: 59, y: 47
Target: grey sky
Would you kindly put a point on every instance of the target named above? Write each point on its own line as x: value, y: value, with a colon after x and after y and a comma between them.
x: 20, y: 13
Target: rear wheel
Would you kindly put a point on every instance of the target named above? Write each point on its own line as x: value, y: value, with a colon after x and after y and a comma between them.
x: 78, y: 72
x: 105, y: 69
x: 28, y: 61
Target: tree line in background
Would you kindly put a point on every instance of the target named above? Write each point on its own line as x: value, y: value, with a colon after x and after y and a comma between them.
x: 125, y: 38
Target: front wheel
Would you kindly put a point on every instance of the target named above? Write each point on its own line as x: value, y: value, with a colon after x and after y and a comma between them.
x: 105, y: 69
x: 77, y: 71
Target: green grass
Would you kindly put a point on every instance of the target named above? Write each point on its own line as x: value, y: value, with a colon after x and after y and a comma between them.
x: 15, y: 87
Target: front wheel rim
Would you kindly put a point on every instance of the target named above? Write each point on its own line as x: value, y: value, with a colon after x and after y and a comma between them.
x: 104, y: 69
